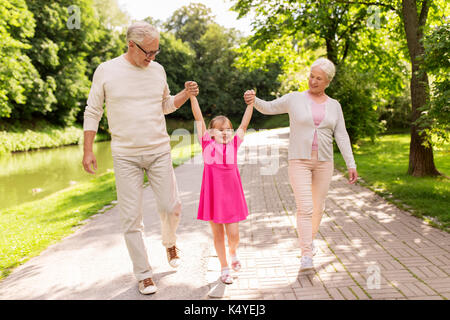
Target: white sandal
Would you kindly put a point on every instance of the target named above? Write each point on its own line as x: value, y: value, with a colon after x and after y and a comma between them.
x: 225, y: 276
x: 235, y: 263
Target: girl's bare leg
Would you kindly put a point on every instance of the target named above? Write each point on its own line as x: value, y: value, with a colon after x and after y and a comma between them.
x: 219, y: 242
x: 232, y: 230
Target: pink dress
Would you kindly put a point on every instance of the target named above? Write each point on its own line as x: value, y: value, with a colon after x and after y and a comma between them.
x: 221, y: 196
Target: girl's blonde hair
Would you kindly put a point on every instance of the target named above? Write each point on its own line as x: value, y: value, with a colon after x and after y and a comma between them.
x: 219, y: 119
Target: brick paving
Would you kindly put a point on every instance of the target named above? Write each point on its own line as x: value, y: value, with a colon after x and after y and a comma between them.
x: 367, y: 247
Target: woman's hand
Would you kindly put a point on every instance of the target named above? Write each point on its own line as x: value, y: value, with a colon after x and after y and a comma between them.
x: 249, y: 97
x: 352, y: 175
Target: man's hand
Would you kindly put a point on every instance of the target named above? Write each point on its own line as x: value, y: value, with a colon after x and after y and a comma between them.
x: 352, y: 175
x: 89, y: 161
x: 249, y: 97
x: 191, y: 88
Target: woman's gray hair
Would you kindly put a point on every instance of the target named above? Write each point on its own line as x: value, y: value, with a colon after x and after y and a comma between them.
x: 327, y: 66
x: 139, y: 30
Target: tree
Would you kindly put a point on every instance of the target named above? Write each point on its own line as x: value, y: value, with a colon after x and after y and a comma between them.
x: 110, y: 15
x: 59, y: 50
x: 421, y: 162
x: 435, y: 117
x: 19, y: 79
x: 70, y: 40
x: 189, y: 23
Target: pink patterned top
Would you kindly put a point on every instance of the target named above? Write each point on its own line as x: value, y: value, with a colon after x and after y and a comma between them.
x: 318, y: 113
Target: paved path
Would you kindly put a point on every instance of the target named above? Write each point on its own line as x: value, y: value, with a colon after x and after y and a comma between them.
x: 368, y: 248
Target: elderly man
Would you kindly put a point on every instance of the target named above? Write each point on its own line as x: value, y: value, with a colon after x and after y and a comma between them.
x: 137, y: 97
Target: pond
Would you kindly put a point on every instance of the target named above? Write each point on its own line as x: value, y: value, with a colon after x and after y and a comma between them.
x: 28, y: 176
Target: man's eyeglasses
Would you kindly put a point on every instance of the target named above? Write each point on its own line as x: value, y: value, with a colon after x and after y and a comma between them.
x: 148, y: 53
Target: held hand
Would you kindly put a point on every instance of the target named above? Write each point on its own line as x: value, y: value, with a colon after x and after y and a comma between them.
x: 352, y: 175
x: 191, y: 88
x: 88, y: 161
x: 249, y: 97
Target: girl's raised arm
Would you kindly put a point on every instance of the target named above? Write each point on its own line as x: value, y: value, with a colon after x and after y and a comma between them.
x: 245, y: 121
x: 199, y: 122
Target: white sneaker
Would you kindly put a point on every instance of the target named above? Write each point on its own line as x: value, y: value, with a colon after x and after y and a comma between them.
x: 307, y: 263
x: 172, y: 256
x: 313, y: 248
x: 147, y: 286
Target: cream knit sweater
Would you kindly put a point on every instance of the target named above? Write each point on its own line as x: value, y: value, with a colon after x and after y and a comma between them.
x: 302, y: 127
x: 136, y: 101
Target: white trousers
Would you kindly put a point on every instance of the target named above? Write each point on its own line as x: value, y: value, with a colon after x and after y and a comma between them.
x: 129, y: 173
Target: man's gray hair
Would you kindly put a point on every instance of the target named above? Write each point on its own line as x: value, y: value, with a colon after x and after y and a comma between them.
x: 141, y: 29
x: 327, y: 66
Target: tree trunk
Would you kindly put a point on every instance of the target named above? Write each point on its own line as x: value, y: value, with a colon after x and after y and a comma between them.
x: 421, y: 161
x: 332, y: 51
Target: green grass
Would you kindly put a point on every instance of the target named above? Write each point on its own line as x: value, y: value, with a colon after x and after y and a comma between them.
x: 383, y: 165
x: 25, y: 137
x: 28, y: 229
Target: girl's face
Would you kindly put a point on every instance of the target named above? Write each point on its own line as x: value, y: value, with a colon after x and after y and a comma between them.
x: 222, y: 132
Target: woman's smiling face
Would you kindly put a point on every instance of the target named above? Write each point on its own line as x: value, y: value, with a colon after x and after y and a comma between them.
x: 318, y: 80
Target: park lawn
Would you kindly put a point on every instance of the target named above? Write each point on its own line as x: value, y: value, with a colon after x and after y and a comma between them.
x: 26, y: 230
x: 383, y: 165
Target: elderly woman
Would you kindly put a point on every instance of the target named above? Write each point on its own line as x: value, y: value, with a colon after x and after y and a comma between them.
x: 314, y: 119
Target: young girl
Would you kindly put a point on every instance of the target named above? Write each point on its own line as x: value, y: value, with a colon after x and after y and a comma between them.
x: 222, y: 200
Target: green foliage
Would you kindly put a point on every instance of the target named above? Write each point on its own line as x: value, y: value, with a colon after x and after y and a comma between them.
x: 285, y: 51
x: 25, y: 136
x: 18, y: 77
x: 59, y: 52
x: 177, y: 58
x: 436, y: 114
x: 46, y: 62
x: 332, y: 24
x: 110, y: 15
x: 189, y: 23
x: 47, y: 66
x: 207, y: 54
x: 357, y: 38
x: 396, y: 114
x: 354, y: 91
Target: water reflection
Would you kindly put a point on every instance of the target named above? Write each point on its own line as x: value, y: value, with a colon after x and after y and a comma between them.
x: 29, y: 176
